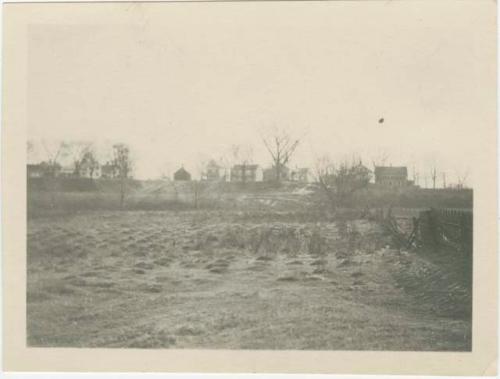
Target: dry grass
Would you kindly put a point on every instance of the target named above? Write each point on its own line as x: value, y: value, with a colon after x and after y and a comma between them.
x: 226, y: 280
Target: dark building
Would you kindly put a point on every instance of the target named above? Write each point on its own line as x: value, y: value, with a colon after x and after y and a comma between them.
x: 182, y: 174
x: 391, y: 176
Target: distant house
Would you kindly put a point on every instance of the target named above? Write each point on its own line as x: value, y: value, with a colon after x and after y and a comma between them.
x: 108, y: 171
x: 245, y: 173
x: 89, y: 171
x: 35, y: 170
x: 67, y: 171
x: 391, y: 176
x: 270, y: 174
x: 182, y: 175
x: 301, y: 175
x: 213, y: 172
x: 88, y: 167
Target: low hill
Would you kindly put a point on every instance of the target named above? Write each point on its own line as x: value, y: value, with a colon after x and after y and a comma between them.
x: 70, y: 194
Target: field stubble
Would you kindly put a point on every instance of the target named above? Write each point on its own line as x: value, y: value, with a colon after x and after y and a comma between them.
x: 216, y: 279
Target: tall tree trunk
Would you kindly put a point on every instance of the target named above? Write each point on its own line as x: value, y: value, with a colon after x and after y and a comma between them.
x: 195, y: 194
x: 278, y: 166
x: 122, y: 192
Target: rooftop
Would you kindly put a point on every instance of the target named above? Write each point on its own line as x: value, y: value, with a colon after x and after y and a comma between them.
x: 389, y: 170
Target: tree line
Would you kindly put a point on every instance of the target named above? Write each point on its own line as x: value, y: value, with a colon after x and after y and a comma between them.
x: 339, y: 180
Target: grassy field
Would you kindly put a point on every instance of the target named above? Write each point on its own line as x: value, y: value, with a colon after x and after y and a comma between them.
x: 236, y: 280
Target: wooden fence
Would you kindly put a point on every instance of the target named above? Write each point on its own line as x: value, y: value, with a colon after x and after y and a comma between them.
x: 432, y: 228
x: 449, y: 227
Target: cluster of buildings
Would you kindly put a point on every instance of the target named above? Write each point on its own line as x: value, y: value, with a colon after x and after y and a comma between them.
x: 91, y: 170
x: 246, y: 173
x: 385, y: 176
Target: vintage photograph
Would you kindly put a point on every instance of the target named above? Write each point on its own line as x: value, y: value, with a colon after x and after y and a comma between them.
x: 221, y: 190
x: 262, y: 177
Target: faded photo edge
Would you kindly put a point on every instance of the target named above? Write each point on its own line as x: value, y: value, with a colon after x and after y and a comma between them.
x: 18, y: 357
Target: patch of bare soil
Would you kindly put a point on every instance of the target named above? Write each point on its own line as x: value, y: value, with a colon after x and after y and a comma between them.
x: 227, y: 280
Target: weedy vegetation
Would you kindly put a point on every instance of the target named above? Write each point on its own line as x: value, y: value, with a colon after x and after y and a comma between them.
x: 260, y: 275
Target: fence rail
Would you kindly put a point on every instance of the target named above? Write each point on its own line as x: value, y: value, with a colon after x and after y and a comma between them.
x: 433, y: 227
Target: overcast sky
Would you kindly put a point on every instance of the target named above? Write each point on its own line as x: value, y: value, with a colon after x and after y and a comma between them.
x: 183, y: 82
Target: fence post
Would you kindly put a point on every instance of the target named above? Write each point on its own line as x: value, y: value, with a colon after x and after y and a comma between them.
x: 428, y: 229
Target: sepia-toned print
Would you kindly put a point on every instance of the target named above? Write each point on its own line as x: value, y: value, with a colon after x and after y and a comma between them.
x: 339, y: 256
x: 255, y: 177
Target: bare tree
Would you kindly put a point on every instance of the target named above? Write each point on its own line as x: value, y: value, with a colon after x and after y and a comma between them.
x: 444, y: 179
x: 281, y: 146
x: 340, y: 181
x: 434, y: 176
x: 202, y: 166
x: 123, y: 164
x: 85, y: 158
x: 90, y: 160
x: 324, y: 169
x: 380, y: 158
x: 55, y: 151
x: 76, y: 150
x: 198, y: 183
x: 462, y: 179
